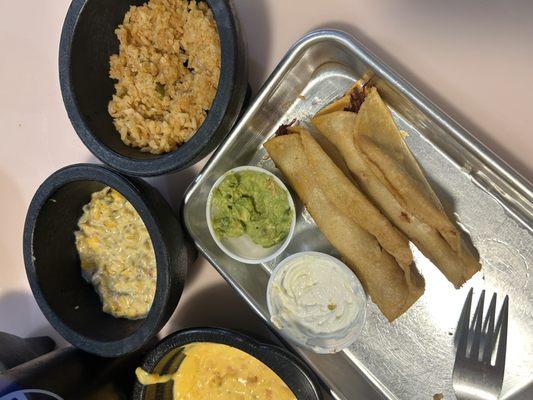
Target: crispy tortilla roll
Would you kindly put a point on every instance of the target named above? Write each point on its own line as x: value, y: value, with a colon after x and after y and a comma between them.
x: 390, y: 287
x: 379, y: 139
x: 376, y: 154
x: 342, y: 193
x: 339, y: 105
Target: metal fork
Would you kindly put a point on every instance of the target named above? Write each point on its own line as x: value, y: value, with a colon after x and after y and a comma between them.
x: 480, y: 359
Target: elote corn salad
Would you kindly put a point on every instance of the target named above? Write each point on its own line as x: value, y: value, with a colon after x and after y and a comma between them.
x: 116, y: 254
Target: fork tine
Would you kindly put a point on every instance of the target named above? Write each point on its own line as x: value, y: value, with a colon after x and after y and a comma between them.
x: 477, y: 324
x: 489, y: 332
x: 501, y: 326
x: 461, y: 334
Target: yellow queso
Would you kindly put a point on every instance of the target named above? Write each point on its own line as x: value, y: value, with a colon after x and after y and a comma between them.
x: 218, y: 372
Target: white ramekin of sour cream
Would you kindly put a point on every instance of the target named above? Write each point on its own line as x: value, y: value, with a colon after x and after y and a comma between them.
x: 316, y: 301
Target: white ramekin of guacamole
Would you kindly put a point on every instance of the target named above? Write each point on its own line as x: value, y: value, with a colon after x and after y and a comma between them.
x: 250, y: 214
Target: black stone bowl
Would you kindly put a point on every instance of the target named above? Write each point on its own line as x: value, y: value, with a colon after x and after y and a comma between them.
x: 88, y: 40
x: 168, y: 354
x: 71, y: 304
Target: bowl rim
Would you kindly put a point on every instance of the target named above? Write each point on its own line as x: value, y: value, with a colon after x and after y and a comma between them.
x: 236, y: 339
x: 156, y: 317
x: 231, y: 91
x: 219, y: 243
x: 360, y: 292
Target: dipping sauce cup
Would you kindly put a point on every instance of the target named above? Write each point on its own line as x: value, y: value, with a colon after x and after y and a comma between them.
x: 242, y: 248
x: 316, y: 301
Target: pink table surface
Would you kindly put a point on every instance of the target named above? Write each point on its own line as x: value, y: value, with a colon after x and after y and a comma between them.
x: 474, y: 59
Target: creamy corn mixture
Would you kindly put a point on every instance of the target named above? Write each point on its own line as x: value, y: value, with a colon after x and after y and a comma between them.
x: 116, y: 254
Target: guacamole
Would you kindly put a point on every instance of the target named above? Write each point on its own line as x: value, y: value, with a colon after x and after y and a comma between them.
x: 251, y: 203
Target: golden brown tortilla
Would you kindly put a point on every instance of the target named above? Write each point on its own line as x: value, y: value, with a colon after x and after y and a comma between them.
x: 338, y: 105
x: 393, y: 289
x: 380, y: 140
x: 387, y: 172
x: 342, y: 193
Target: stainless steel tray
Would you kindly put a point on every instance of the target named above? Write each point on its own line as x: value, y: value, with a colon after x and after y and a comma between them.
x: 411, y: 358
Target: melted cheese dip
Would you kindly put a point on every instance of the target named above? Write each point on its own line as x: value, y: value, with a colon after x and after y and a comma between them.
x: 116, y: 254
x: 218, y: 372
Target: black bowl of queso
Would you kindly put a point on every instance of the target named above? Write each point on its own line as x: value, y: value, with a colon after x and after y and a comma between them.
x: 158, y: 106
x: 104, y: 311
x: 215, y: 361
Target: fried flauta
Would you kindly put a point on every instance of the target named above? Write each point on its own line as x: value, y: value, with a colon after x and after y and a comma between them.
x: 376, y: 154
x: 343, y: 194
x: 307, y: 167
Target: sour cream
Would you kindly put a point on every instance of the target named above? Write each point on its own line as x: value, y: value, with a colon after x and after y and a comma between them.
x: 317, y: 301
